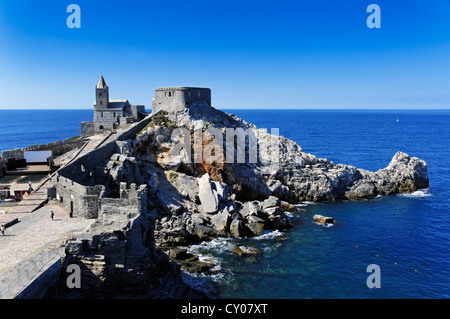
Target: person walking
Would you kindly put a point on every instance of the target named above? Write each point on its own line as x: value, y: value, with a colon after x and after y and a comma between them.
x: 52, y: 214
x: 2, y: 229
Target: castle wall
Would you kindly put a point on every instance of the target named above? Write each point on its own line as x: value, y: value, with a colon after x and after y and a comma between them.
x: 57, y: 148
x: 78, y: 200
x: 172, y: 99
x: 75, y: 182
x: 131, y: 199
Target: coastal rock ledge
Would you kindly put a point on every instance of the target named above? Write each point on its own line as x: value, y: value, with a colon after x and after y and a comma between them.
x: 227, y: 198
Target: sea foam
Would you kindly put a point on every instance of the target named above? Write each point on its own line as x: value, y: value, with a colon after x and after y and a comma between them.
x: 421, y: 193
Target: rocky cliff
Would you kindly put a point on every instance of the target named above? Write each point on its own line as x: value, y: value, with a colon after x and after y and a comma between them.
x: 186, y: 200
x: 200, y: 200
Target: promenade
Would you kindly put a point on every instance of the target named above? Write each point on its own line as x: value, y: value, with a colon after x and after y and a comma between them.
x: 28, y: 245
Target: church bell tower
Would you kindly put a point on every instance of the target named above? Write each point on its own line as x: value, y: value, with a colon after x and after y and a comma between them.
x: 101, y: 94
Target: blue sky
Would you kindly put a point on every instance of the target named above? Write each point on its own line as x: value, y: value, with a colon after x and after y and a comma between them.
x: 252, y: 54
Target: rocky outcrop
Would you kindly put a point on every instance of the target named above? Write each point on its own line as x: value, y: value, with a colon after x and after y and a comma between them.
x: 246, y: 250
x: 182, y: 203
x: 201, y: 202
x: 299, y: 176
x: 323, y: 219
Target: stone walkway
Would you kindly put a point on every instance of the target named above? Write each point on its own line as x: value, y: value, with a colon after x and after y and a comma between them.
x: 32, y: 201
x: 34, y: 234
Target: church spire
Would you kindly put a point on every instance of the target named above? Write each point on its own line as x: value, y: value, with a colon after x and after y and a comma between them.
x: 101, y: 83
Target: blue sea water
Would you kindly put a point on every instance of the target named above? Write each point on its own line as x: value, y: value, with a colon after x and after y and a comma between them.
x: 20, y: 128
x: 408, y: 236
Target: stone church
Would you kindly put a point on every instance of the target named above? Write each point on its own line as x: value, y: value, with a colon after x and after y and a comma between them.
x: 111, y: 114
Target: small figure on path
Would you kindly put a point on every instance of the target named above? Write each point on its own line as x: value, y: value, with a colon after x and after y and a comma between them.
x: 52, y: 214
x: 2, y: 229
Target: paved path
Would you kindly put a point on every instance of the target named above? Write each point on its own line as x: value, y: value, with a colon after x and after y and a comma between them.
x: 32, y: 201
x: 34, y: 231
x: 33, y: 244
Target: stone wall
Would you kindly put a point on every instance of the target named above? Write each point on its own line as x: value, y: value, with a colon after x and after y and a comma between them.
x: 82, y: 170
x: 75, y: 185
x: 87, y: 129
x: 172, y: 99
x: 107, y: 119
x: 132, y: 197
x: 44, y: 283
x: 16, y: 154
x: 77, y: 199
x: 57, y: 148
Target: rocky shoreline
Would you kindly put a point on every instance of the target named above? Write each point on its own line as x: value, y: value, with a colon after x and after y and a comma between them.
x: 188, y: 202
x: 200, y: 202
x: 232, y: 199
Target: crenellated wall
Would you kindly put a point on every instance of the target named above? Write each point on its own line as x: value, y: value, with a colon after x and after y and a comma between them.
x: 76, y: 187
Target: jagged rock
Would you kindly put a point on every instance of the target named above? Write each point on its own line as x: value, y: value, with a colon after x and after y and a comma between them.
x: 272, y: 201
x: 323, y: 219
x: 255, y: 225
x: 222, y: 191
x: 165, y: 147
x: 209, y: 197
x: 196, y: 266
x: 277, y: 219
x: 237, y: 228
x: 187, y: 184
x: 171, y: 163
x: 221, y: 221
x: 154, y: 181
x: 287, y: 207
x: 279, y: 222
x: 178, y: 253
x: 160, y: 138
x: 205, y: 232
x: 246, y: 250
x: 251, y: 209
x: 124, y: 147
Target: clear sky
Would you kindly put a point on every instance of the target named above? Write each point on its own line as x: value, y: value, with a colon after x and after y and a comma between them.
x: 252, y: 54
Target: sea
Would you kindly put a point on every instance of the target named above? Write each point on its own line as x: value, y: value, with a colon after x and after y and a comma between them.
x: 406, y: 236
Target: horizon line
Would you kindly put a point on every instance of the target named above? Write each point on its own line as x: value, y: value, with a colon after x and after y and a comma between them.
x: 247, y: 109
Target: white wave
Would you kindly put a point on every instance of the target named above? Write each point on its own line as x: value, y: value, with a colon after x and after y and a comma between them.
x: 421, y: 193
x: 326, y: 225
x: 215, y: 246
x: 306, y: 203
x: 289, y: 214
x: 269, y: 235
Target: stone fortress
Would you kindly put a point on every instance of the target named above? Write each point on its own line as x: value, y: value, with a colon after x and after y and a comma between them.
x: 172, y: 99
x: 78, y: 185
x: 120, y: 242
